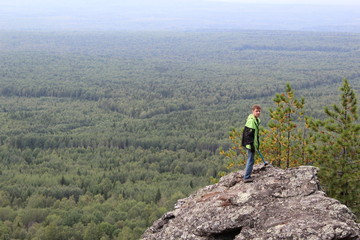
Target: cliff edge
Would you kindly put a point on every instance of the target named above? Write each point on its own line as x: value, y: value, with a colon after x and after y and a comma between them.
x: 279, y: 204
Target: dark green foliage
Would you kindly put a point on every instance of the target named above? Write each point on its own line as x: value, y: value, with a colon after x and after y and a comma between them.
x: 339, y: 149
x: 101, y: 133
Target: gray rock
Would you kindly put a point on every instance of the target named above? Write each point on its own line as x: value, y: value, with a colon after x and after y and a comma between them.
x: 279, y: 204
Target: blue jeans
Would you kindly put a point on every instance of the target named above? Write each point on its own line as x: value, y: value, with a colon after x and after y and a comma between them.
x: 249, y: 164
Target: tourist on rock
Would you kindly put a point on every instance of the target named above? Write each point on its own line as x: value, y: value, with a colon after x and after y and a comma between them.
x: 251, y: 140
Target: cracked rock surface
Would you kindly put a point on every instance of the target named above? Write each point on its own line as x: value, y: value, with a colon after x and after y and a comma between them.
x: 279, y: 204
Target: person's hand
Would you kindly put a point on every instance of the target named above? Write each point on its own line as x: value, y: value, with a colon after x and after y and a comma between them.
x: 252, y: 148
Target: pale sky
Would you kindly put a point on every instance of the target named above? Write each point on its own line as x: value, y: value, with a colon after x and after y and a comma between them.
x: 323, y: 2
x: 325, y: 15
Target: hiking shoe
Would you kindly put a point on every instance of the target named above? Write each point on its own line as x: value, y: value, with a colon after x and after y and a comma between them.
x: 247, y: 180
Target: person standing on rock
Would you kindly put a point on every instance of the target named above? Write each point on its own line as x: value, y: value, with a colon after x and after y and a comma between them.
x: 251, y: 140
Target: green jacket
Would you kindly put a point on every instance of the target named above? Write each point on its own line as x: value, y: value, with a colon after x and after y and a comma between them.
x: 251, y: 132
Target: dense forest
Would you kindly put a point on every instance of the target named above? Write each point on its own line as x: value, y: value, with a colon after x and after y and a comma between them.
x: 101, y: 133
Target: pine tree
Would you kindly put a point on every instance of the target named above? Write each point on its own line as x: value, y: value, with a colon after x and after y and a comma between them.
x: 339, y: 149
x: 283, y: 143
x: 157, y: 196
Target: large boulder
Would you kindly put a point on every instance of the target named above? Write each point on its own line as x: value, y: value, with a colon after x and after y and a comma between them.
x: 279, y: 204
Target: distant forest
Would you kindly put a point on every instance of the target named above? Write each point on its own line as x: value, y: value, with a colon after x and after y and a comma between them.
x: 101, y: 133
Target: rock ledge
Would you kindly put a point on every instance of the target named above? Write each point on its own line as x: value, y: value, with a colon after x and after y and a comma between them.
x: 279, y: 204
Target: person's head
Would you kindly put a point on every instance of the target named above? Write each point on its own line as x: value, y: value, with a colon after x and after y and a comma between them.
x: 256, y: 110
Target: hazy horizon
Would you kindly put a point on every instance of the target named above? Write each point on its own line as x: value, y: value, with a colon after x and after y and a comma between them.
x: 95, y: 15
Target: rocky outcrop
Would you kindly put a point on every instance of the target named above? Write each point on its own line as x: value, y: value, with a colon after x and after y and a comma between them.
x: 279, y: 204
